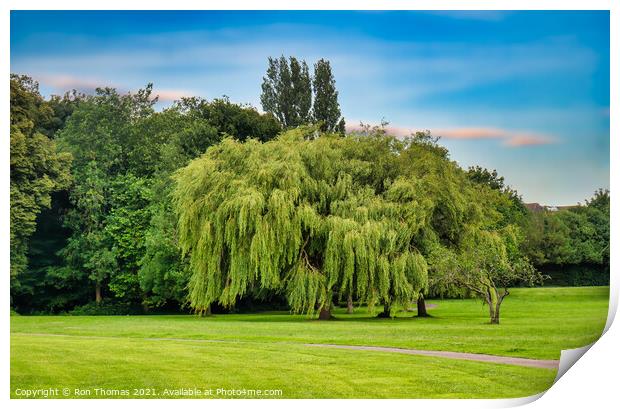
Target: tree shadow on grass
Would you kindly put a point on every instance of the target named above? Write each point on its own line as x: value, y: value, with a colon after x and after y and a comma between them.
x: 292, y: 318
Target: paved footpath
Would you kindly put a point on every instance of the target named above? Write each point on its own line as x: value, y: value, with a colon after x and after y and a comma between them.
x: 535, y: 363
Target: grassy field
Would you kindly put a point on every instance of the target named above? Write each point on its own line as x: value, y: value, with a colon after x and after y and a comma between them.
x: 264, y: 351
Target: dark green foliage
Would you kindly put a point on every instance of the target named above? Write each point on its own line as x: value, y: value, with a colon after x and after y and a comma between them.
x: 125, y: 226
x: 37, y: 170
x: 109, y: 213
x: 302, y: 90
x: 287, y: 91
x: 571, y: 245
x: 62, y: 108
x: 326, y: 110
x: 104, y: 130
x: 484, y: 176
x: 113, y: 229
x: 163, y: 272
x: 570, y: 236
x: 107, y: 307
x: 240, y: 121
x: 600, y: 201
x: 576, y: 275
x: 44, y: 286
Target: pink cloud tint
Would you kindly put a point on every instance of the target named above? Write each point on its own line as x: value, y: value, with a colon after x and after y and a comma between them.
x: 68, y: 82
x: 509, y: 138
x: 169, y: 95
x: 517, y: 140
x: 471, y: 133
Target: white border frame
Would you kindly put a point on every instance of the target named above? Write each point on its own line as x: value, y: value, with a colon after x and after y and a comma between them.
x: 591, y: 381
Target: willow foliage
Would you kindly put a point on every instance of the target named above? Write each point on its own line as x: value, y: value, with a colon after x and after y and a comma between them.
x: 314, y: 217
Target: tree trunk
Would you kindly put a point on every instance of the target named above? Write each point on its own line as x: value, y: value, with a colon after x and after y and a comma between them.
x: 491, y: 310
x: 495, y: 318
x: 206, y: 312
x: 326, y: 312
x: 422, y: 306
x: 98, y: 293
x: 386, y: 311
x: 493, y: 302
x: 350, y: 305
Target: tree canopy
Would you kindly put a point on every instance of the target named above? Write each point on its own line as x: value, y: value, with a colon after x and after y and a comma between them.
x: 570, y: 236
x: 314, y: 218
x: 513, y: 208
x: 37, y: 169
x: 109, y: 226
x: 487, y: 264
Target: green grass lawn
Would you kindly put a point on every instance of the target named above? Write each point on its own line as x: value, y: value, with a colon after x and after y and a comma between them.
x: 263, y: 351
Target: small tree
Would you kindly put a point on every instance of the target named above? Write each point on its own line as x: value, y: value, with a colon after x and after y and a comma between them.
x: 487, y: 263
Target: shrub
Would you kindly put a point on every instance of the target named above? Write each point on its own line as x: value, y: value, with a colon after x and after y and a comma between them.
x: 107, y: 307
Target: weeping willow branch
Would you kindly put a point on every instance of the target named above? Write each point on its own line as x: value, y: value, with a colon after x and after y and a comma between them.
x: 349, y: 216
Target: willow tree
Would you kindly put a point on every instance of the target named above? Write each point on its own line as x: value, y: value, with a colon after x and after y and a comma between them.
x: 314, y: 218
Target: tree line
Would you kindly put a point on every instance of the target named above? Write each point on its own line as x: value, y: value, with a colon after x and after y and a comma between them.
x: 118, y: 208
x: 91, y: 217
x: 572, y: 244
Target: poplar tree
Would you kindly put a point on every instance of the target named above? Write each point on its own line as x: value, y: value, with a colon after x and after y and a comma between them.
x: 326, y: 109
x: 302, y: 90
x: 287, y: 91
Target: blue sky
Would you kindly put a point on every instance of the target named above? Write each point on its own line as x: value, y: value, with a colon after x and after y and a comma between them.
x: 523, y: 92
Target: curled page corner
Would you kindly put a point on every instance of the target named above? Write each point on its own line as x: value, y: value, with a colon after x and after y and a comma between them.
x: 568, y: 357
x: 614, y: 293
